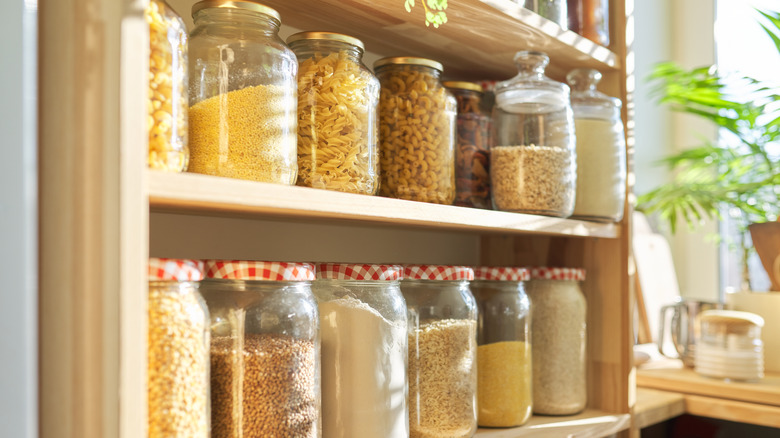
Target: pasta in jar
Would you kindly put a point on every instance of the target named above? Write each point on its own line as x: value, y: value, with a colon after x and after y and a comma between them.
x: 416, y: 131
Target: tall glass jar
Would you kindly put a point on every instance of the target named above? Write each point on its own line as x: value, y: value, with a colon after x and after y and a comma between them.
x: 178, y: 351
x: 590, y: 18
x: 168, y: 102
x: 243, y: 94
x: 472, y: 181
x: 558, y: 340
x: 416, y: 131
x: 442, y: 351
x: 553, y: 10
x: 338, y: 99
x: 265, y: 349
x: 532, y: 158
x: 601, y: 149
x: 504, y: 351
x: 364, y: 347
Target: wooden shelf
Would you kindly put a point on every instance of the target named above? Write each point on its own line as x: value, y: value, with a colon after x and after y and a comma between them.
x: 209, y: 195
x: 653, y: 406
x: 590, y: 423
x: 478, y: 41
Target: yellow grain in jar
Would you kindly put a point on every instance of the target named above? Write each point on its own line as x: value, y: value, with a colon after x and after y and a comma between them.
x: 504, y: 384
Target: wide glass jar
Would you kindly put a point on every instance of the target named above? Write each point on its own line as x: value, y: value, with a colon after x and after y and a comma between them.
x: 730, y: 346
x: 265, y: 349
x: 168, y: 102
x: 601, y: 149
x: 442, y: 351
x: 364, y: 346
x: 472, y: 181
x: 504, y: 351
x: 532, y: 158
x: 178, y: 351
x: 416, y: 131
x: 243, y: 95
x: 558, y: 340
x: 338, y: 99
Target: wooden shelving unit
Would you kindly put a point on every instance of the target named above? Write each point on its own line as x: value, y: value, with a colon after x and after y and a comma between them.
x: 101, y: 208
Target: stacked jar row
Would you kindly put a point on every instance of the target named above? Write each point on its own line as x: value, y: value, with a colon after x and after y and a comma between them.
x: 365, y: 350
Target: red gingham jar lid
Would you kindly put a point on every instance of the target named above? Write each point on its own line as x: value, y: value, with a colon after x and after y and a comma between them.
x: 175, y: 269
x: 547, y: 273
x: 350, y: 271
x: 501, y: 273
x: 256, y: 270
x: 438, y: 272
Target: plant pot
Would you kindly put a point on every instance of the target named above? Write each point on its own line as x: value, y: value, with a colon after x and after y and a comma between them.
x: 766, y: 305
x: 766, y: 240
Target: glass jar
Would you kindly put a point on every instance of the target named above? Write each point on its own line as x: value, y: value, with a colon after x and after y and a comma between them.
x: 532, y: 158
x: 504, y: 351
x: 601, y: 149
x: 590, y: 18
x: 472, y: 181
x: 338, y: 100
x: 178, y: 351
x: 265, y: 349
x: 730, y: 346
x: 558, y: 340
x: 243, y: 94
x: 442, y: 351
x: 364, y: 346
x: 168, y: 102
x: 553, y: 10
x: 416, y: 131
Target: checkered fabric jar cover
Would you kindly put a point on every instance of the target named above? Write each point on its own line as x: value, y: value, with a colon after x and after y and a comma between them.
x: 175, y: 269
x: 259, y: 270
x: 350, y: 271
x: 501, y: 273
x: 438, y: 272
x: 546, y: 273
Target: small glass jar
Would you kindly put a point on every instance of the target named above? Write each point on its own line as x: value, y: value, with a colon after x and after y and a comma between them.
x: 558, y: 340
x: 532, y: 158
x: 178, y: 351
x: 416, y: 131
x: 442, y: 351
x: 265, y: 349
x: 730, y: 346
x: 364, y: 346
x: 504, y: 351
x: 590, y: 18
x: 243, y: 94
x: 472, y: 181
x: 168, y: 102
x: 338, y: 100
x: 553, y: 10
x: 601, y: 149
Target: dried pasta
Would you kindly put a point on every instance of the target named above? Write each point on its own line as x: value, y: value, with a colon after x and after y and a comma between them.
x: 337, y: 124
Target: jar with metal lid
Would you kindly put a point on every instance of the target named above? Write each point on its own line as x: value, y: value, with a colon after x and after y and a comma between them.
x: 265, y: 349
x: 504, y: 346
x: 532, y: 157
x: 243, y: 94
x: 364, y: 346
x: 601, y: 149
x: 416, y: 131
x: 558, y: 340
x: 168, y: 102
x: 472, y: 181
x: 178, y: 350
x: 338, y: 99
x: 442, y: 351
x: 730, y: 346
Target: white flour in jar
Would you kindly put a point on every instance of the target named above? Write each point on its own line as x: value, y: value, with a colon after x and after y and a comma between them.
x: 601, y: 170
x: 363, y: 366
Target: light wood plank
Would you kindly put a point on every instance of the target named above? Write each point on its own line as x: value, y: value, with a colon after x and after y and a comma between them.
x: 653, y: 406
x: 589, y: 424
x: 740, y: 412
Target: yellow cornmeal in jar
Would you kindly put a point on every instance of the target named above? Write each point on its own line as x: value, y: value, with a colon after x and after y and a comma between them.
x: 504, y: 384
x: 246, y: 134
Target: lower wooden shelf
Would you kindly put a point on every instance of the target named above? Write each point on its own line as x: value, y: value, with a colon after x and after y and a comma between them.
x: 589, y: 424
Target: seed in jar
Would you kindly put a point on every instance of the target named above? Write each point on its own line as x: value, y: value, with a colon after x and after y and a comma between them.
x: 504, y: 385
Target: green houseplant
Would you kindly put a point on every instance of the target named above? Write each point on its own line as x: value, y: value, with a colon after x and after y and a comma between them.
x: 739, y: 174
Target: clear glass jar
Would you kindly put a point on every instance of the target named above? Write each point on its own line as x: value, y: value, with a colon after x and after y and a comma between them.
x: 504, y: 351
x: 730, y: 346
x: 472, y: 181
x: 442, y: 351
x: 243, y: 94
x: 553, y: 10
x: 364, y: 346
x: 178, y: 351
x: 168, y: 102
x: 416, y: 131
x: 558, y: 340
x: 532, y: 158
x: 590, y: 18
x: 601, y: 149
x: 338, y: 100
x: 265, y: 349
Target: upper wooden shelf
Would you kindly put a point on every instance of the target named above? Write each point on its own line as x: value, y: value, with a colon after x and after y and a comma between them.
x: 591, y: 423
x: 479, y: 40
x: 202, y: 194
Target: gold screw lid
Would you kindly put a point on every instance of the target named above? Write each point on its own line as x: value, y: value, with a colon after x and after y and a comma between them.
x: 408, y: 60
x: 246, y: 5
x: 463, y: 86
x: 329, y: 36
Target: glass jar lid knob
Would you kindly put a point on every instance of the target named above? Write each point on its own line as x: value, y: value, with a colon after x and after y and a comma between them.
x: 583, y: 79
